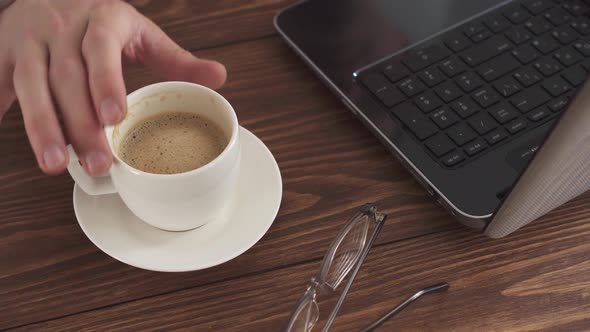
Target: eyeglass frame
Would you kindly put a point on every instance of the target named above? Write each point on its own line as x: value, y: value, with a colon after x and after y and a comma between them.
x: 316, y: 282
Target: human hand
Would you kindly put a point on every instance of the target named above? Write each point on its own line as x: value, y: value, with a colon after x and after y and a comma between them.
x: 66, y: 55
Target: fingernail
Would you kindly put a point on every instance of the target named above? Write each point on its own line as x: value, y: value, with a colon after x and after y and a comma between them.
x: 96, y: 163
x: 110, y: 112
x: 53, y: 157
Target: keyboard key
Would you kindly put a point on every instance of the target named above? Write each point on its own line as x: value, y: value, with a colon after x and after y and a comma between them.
x: 448, y: 92
x: 444, y: 117
x: 390, y: 97
x: 527, y: 76
x: 537, y: 6
x: 458, y: 42
x: 547, y: 66
x: 576, y: 8
x: 375, y: 82
x: 465, y: 107
x: 586, y: 64
x: 517, y: 14
x: 503, y: 113
x: 382, y: 89
x: 486, y: 97
x: 507, y: 86
x: 473, y: 28
x: 453, y: 158
x: 469, y: 81
x: 452, y: 67
x: 461, y: 134
x: 559, y: 104
x: 526, y: 54
x: 568, y: 56
x: 581, y: 25
x: 545, y: 44
x: 440, y: 145
x: 428, y: 101
x: 516, y: 126
x: 486, y: 50
x: 424, y: 58
x: 556, y: 86
x: 557, y: 16
x: 413, y: 118
x: 498, y: 67
x: 538, y: 25
x: 431, y: 76
x: 497, y: 23
x: 411, y: 86
x: 475, y: 147
x: 482, y: 123
x: 575, y: 75
x: 518, y: 35
x: 480, y: 36
x: 565, y: 35
x: 583, y: 46
x: 539, y: 114
x: 530, y: 99
x: 496, y: 136
x: 395, y: 71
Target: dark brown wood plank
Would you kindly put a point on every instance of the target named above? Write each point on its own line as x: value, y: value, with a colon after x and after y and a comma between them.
x: 207, y: 23
x: 330, y: 165
x: 183, y: 11
x: 536, y: 279
x: 329, y: 162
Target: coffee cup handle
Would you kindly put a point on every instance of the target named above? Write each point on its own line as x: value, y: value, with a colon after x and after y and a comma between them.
x: 94, y: 186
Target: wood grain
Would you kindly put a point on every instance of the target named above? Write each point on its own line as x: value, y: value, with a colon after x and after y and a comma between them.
x: 52, y: 277
x: 329, y: 162
x: 536, y: 279
x: 205, y: 24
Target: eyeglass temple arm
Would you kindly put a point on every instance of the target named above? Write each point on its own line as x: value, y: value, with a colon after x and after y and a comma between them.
x: 443, y: 286
x: 354, y: 272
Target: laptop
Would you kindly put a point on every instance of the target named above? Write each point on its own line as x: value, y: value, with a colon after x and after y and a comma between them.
x: 483, y: 101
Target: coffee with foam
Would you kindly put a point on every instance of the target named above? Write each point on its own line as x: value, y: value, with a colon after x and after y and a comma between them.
x: 172, y: 142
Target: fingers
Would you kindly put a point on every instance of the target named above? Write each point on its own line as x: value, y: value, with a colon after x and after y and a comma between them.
x: 7, y: 95
x: 171, y: 61
x: 102, y: 53
x: 32, y: 89
x: 6, y: 104
x: 70, y: 87
x: 101, y: 49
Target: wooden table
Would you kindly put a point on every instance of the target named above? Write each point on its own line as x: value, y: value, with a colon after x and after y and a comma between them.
x: 52, y: 278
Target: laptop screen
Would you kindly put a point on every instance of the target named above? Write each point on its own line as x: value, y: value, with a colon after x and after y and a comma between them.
x: 342, y: 36
x: 416, y: 20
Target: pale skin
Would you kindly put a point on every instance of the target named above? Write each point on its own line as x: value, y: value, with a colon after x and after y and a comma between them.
x: 66, y: 56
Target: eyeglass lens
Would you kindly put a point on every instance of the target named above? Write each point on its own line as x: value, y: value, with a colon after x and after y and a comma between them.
x: 306, y: 317
x: 347, y: 253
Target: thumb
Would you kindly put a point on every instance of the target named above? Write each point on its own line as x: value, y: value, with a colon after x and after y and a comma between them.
x: 172, y: 62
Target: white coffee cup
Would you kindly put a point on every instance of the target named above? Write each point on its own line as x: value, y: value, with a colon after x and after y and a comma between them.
x: 173, y: 202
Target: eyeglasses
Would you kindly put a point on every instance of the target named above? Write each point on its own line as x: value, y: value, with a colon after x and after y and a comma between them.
x: 440, y: 287
x: 347, y: 251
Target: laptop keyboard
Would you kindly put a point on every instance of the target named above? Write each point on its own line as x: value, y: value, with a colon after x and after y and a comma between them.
x: 486, y: 82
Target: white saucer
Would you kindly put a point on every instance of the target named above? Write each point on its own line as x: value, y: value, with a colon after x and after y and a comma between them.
x: 109, y: 224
